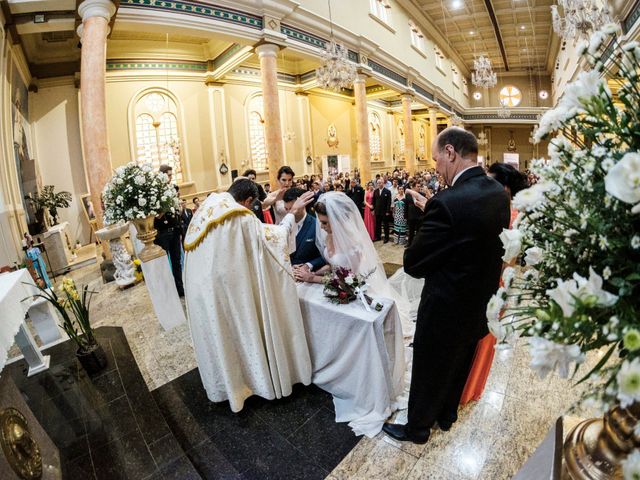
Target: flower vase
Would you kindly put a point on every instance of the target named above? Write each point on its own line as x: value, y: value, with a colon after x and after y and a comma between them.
x: 92, y: 360
x: 595, y: 448
x: 147, y: 234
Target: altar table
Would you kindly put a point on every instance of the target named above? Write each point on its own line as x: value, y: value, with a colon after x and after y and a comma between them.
x: 16, y: 290
x: 356, y: 355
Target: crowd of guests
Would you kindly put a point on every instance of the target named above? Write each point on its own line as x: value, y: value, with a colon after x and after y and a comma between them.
x: 388, y: 212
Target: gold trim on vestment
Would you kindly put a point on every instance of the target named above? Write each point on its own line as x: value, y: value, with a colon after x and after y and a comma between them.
x: 211, y: 224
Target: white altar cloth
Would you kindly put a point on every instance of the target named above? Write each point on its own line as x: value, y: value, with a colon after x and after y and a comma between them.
x: 356, y: 355
x: 16, y: 290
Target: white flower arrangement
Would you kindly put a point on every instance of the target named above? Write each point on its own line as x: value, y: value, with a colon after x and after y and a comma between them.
x: 578, y: 233
x: 137, y: 191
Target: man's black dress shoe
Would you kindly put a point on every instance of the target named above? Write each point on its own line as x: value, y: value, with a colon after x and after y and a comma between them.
x: 444, y: 425
x: 400, y: 432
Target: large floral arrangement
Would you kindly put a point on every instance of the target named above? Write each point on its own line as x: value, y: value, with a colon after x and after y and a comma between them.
x: 578, y: 233
x: 137, y: 191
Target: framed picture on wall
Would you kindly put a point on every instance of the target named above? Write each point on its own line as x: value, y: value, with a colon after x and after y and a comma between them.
x: 87, y: 206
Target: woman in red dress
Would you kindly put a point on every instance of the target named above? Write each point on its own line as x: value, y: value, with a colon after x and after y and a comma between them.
x: 513, y: 182
x: 369, y: 219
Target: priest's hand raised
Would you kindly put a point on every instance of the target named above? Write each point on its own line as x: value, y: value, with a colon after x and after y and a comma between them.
x: 298, y: 208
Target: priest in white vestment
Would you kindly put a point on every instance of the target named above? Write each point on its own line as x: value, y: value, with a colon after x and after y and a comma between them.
x: 241, y: 299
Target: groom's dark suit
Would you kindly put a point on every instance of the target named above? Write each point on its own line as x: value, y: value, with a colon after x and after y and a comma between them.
x: 458, y: 252
x: 306, y: 250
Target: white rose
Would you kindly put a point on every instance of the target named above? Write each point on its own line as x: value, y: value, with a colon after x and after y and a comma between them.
x: 495, y: 305
x: 546, y: 356
x: 631, y: 464
x: 512, y: 242
x: 530, y: 198
x: 348, y: 280
x: 629, y: 382
x: 139, y: 180
x: 142, y: 202
x: 533, y: 255
x: 623, y: 179
x: 507, y: 277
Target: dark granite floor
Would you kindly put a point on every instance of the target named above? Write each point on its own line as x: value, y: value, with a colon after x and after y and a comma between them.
x: 109, y: 426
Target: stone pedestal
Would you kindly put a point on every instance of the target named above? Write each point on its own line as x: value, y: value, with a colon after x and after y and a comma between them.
x: 56, y: 243
x: 124, y: 269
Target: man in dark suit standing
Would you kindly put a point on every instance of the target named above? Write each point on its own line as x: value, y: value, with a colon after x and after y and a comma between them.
x: 458, y: 252
x: 413, y: 212
x: 356, y: 193
x: 382, y: 210
x: 186, y: 214
x: 306, y: 254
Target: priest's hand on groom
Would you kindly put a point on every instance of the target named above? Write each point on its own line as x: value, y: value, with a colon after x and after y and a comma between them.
x: 298, y: 208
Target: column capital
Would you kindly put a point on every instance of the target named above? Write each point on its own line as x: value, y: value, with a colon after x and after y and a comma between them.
x: 96, y: 8
x: 267, y: 50
x: 360, y: 78
x: 433, y: 111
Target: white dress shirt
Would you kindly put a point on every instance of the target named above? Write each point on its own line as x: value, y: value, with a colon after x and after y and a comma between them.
x: 460, y: 173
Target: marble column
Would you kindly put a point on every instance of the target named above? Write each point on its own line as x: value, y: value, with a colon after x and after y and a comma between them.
x: 267, y: 53
x: 433, y: 133
x: 363, y: 147
x: 93, y: 32
x: 409, y: 150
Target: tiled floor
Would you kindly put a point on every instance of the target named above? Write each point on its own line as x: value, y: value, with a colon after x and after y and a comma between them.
x: 109, y: 426
x: 491, y: 440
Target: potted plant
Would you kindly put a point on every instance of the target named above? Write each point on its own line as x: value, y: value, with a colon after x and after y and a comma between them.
x: 138, y: 194
x: 77, y: 326
x: 52, y: 201
x: 578, y: 233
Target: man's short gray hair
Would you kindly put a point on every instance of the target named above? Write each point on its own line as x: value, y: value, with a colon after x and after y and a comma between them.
x: 462, y: 141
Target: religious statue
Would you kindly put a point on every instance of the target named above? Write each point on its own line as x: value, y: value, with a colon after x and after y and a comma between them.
x: 511, y: 144
x: 332, y: 139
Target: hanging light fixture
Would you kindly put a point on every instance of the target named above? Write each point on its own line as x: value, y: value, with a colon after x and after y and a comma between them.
x: 336, y: 71
x: 581, y: 18
x: 483, y: 75
x: 482, y: 139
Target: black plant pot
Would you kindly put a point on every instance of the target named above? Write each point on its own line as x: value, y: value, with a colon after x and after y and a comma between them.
x: 92, y: 360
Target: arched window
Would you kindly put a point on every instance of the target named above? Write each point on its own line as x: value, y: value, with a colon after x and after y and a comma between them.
x: 257, y: 144
x: 401, y: 138
x: 375, y: 137
x: 157, y: 137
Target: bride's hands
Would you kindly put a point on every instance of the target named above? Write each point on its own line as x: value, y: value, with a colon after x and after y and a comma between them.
x: 302, y: 274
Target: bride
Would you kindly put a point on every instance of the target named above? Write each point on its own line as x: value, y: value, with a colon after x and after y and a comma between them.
x: 343, y: 241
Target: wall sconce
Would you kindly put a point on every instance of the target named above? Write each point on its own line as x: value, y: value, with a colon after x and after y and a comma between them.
x: 223, y: 167
x: 309, y: 160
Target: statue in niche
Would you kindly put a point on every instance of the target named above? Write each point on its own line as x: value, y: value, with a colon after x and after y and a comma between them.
x: 332, y: 136
x: 511, y: 144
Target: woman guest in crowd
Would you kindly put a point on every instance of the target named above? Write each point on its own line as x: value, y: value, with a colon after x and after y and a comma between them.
x: 399, y: 217
x: 513, y: 181
x: 369, y: 219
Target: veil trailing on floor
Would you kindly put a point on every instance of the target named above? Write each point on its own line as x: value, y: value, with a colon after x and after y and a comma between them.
x: 354, y: 249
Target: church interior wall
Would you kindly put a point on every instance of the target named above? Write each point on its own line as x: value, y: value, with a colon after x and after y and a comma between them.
x: 56, y: 125
x: 529, y: 86
x: 394, y: 39
x: 325, y: 111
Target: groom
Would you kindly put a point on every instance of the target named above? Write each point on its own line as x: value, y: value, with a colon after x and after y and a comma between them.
x: 458, y: 252
x: 306, y: 254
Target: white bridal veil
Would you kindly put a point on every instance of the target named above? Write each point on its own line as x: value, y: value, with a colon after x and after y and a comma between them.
x: 353, y: 248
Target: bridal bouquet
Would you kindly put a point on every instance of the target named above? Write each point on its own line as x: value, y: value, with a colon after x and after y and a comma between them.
x: 342, y: 286
x: 578, y: 232
x: 137, y: 191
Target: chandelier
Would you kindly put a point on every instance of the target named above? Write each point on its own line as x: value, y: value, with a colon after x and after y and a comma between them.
x: 336, y: 71
x: 581, y: 17
x: 483, y: 76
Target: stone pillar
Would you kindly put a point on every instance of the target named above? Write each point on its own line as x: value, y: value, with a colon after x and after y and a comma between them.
x: 271, y: 106
x: 409, y: 150
x: 448, y: 121
x: 433, y: 133
x: 363, y: 148
x: 93, y: 32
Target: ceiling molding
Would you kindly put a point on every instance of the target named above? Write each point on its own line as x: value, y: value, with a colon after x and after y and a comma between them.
x: 496, y: 29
